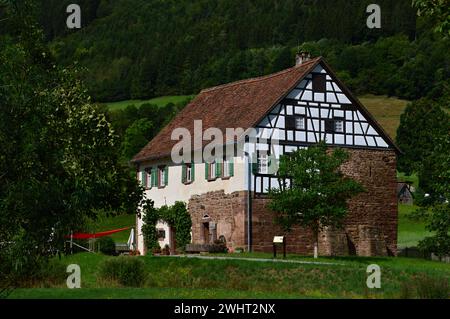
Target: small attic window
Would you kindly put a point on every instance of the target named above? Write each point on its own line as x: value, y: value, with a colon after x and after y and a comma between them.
x: 319, y: 82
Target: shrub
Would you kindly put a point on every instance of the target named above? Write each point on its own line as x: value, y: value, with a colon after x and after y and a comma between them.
x: 107, y: 246
x: 218, y: 247
x: 433, y: 288
x: 127, y: 271
x: 46, y: 273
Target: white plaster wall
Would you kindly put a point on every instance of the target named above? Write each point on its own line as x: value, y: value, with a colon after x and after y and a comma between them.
x: 177, y: 191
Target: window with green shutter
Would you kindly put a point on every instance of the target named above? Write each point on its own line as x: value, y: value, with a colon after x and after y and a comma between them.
x: 154, y: 177
x: 218, y: 169
x: 166, y: 175
x: 144, y: 178
x: 183, y: 173
x: 227, y: 168
x: 231, y: 168
x: 192, y: 172
x: 211, y: 171
x: 163, y: 176
x: 187, y: 172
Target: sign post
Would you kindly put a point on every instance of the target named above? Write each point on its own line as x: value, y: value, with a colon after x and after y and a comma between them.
x: 279, y: 240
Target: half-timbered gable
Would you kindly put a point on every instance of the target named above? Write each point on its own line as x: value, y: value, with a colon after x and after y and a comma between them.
x: 319, y: 108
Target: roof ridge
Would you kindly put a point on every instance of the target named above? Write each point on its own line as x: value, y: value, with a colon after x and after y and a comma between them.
x: 260, y: 78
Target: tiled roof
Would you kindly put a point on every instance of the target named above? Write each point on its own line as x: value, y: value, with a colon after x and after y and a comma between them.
x: 239, y: 104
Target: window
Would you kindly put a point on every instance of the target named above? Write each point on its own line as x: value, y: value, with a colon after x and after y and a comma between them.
x: 211, y: 171
x: 295, y: 122
x: 263, y: 163
x: 188, y: 173
x: 227, y: 168
x: 334, y: 126
x: 163, y: 176
x: 319, y: 83
x: 144, y: 179
x: 161, y: 234
x: 147, y: 179
x: 300, y: 123
x: 339, y: 126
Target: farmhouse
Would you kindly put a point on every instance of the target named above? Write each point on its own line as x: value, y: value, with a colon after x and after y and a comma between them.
x: 227, y: 197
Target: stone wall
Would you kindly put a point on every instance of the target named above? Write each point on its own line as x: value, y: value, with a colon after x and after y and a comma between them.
x: 225, y: 214
x: 370, y: 227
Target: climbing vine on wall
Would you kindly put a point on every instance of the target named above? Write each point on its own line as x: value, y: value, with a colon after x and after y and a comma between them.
x: 176, y: 216
x: 150, y: 218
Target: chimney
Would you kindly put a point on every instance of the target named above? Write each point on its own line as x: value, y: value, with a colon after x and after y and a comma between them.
x: 302, y: 57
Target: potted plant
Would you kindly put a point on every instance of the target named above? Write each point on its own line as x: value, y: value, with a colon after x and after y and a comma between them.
x: 156, y: 251
x: 166, y: 250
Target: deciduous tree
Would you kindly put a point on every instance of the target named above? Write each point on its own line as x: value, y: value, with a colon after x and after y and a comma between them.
x: 315, y: 192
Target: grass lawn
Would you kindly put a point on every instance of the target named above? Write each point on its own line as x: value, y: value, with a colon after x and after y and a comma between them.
x: 168, y: 277
x: 409, y: 231
x: 386, y: 110
x: 160, y: 101
x: 116, y: 222
x: 414, y: 179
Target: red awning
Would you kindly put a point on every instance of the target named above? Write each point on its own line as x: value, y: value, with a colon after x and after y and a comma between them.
x: 97, y: 235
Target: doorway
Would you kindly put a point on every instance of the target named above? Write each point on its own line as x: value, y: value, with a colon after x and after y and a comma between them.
x: 206, y: 233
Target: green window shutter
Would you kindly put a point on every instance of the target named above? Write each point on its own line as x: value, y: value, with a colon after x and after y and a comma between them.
x: 193, y: 171
x: 166, y: 175
x: 218, y: 169
x: 231, y: 168
x: 154, y: 177
x: 206, y: 171
x: 183, y: 173
x: 144, y: 178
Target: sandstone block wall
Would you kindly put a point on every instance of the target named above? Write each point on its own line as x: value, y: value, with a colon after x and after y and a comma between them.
x: 370, y: 228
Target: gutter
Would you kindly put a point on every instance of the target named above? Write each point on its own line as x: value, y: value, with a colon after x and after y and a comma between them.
x: 249, y: 202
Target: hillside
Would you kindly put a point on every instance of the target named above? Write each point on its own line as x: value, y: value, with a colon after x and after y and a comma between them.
x: 147, y: 48
x: 386, y: 110
x: 159, y: 101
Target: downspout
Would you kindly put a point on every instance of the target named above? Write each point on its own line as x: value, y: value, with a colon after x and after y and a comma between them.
x: 249, y: 202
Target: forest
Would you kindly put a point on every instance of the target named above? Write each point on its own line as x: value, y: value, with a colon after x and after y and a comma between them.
x: 145, y: 48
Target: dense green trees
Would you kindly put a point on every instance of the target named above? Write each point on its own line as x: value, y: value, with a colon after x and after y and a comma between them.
x: 59, y: 159
x: 143, y: 48
x: 422, y: 126
x: 136, y: 136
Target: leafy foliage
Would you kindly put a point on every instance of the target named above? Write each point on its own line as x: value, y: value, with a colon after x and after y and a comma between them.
x: 436, y: 210
x: 136, y: 136
x: 421, y: 126
x: 317, y: 194
x: 176, y: 216
x: 58, y: 159
x: 136, y: 126
x: 438, y: 11
x: 107, y: 245
x: 214, y: 42
x: 127, y: 271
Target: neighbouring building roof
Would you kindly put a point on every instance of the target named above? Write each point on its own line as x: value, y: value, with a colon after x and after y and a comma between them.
x: 241, y: 104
